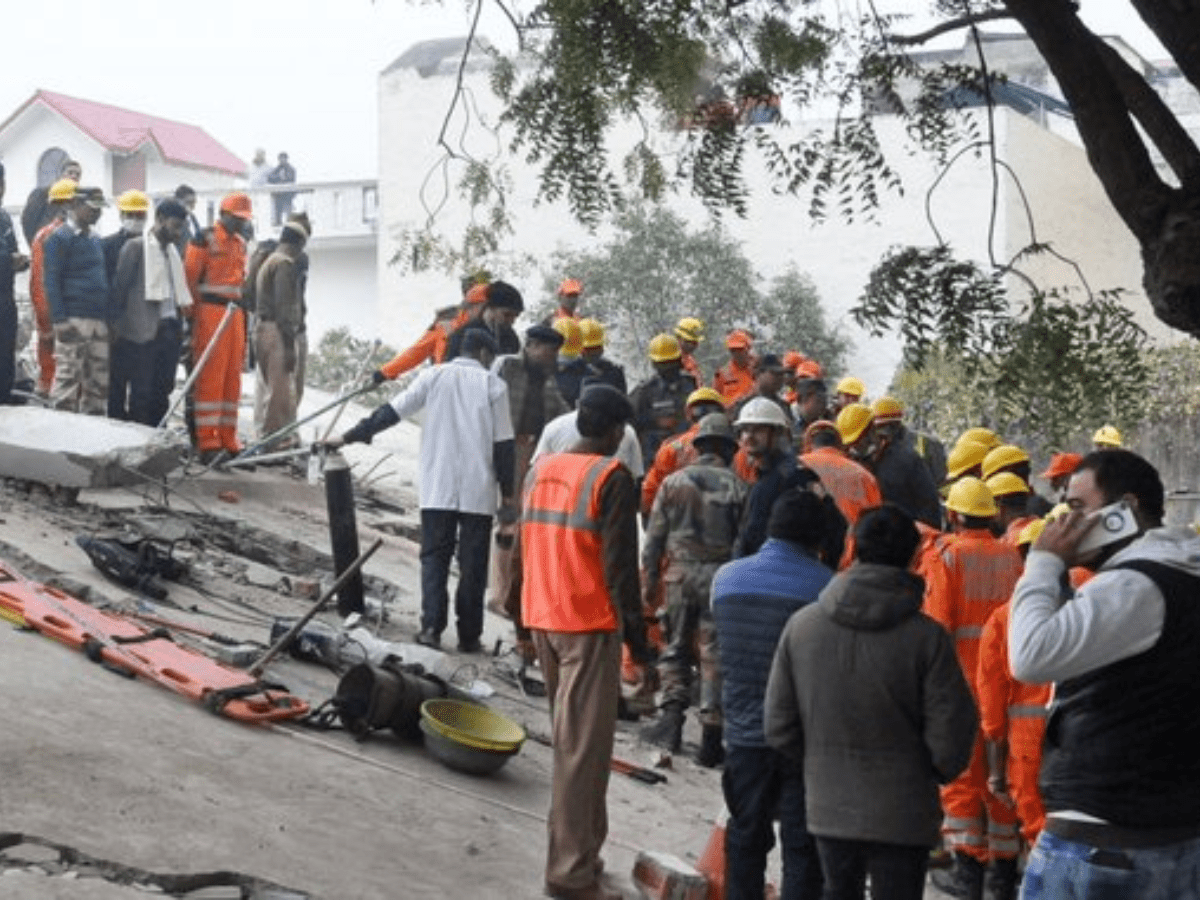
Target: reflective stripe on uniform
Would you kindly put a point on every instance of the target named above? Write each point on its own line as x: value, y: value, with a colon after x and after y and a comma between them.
x: 1027, y: 711
x: 968, y: 632
x: 578, y: 517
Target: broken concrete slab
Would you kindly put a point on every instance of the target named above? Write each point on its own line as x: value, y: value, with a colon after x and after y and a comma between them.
x: 70, y: 450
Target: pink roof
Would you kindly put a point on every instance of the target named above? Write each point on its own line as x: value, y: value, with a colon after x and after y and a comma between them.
x: 123, y: 130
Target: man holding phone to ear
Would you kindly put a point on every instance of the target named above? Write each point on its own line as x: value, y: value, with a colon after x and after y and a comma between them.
x: 1121, y: 763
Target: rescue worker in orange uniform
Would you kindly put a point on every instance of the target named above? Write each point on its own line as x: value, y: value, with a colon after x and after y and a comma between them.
x: 690, y: 334
x: 580, y: 599
x: 432, y: 344
x: 973, y: 576
x: 1013, y: 718
x: 1012, y: 497
x: 735, y: 379
x: 216, y: 270
x: 1058, y: 473
x: 60, y: 195
x: 569, y: 293
x: 853, y: 488
x: 675, y: 453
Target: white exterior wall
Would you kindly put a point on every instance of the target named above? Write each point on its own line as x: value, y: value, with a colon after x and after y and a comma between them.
x: 342, y: 292
x: 36, y: 131
x: 838, y: 256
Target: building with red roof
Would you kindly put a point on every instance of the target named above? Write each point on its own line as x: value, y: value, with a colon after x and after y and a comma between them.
x: 118, y: 148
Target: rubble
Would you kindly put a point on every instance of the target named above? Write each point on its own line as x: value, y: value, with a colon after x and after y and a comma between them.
x: 72, y: 451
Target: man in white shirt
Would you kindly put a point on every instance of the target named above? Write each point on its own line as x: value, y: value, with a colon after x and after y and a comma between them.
x: 466, y: 451
x: 1120, y: 774
x: 561, y: 434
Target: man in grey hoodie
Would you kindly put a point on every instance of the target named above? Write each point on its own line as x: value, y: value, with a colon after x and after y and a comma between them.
x: 868, y: 692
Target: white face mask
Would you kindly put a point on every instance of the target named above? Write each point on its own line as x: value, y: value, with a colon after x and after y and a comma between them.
x: 132, y: 224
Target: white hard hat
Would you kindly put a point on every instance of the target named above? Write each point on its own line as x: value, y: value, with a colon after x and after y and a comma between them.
x: 761, y: 411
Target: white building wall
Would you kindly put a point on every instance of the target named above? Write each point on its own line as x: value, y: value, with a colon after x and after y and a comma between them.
x: 838, y: 256
x: 341, y: 292
x: 37, y: 130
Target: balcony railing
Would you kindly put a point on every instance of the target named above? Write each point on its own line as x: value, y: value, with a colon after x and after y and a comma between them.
x: 339, y: 210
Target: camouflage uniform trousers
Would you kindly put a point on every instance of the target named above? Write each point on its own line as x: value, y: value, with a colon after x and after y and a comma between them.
x: 81, y: 366
x: 691, y: 639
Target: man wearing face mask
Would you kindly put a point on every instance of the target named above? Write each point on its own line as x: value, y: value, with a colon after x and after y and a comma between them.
x: 134, y: 207
x: 216, y: 270
x: 150, y: 290
x: 1120, y: 774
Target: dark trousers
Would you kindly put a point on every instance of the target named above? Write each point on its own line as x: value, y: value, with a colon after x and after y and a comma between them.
x: 141, y: 376
x: 441, y: 530
x: 897, y: 870
x: 760, y: 786
x: 8, y: 347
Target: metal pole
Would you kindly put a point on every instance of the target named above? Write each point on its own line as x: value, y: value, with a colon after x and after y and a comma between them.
x: 257, y: 669
x: 288, y: 429
x: 343, y: 530
x: 362, y: 371
x: 208, y: 351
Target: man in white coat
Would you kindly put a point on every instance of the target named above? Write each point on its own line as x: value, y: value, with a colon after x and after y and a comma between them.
x: 466, y: 452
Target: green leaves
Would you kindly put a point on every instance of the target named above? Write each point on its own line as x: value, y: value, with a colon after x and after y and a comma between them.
x: 1055, y: 365
x: 655, y: 270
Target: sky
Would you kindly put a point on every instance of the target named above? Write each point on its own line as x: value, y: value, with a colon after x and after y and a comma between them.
x: 298, y: 76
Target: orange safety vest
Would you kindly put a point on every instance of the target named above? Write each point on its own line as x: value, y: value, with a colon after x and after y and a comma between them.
x: 565, y: 589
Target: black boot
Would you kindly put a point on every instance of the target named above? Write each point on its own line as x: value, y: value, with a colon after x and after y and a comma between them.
x: 1002, y: 880
x: 667, y: 732
x: 963, y: 879
x: 712, y: 751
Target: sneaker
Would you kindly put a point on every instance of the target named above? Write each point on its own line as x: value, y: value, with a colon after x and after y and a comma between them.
x: 426, y: 638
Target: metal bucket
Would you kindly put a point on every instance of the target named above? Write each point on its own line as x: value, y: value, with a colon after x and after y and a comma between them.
x: 371, y: 697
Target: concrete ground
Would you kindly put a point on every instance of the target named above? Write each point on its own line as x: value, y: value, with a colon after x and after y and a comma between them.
x: 115, y: 788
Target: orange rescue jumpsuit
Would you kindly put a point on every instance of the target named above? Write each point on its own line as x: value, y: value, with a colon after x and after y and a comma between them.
x: 431, y: 345
x: 673, y: 454
x: 692, y: 367
x: 216, y: 269
x: 41, y: 307
x: 852, y: 487
x: 1015, y: 712
x: 973, y: 575
x: 733, y: 382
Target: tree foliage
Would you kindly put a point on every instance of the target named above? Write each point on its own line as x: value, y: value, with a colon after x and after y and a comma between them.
x: 340, y: 358
x: 701, y: 68
x: 1043, y: 368
x: 655, y: 270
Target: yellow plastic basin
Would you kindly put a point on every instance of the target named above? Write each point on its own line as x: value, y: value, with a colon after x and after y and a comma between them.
x: 472, y: 725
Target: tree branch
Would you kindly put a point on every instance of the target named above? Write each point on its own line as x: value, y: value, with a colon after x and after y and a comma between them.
x: 1114, y: 147
x: 1160, y: 124
x: 990, y: 15
x: 1177, y: 25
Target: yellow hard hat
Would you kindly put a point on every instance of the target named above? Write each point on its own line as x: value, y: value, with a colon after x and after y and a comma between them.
x: 704, y: 395
x: 887, y: 409
x: 852, y: 386
x: 1107, y: 436
x: 1059, y: 510
x: 63, y: 189
x: 970, y: 497
x: 592, y: 333
x: 964, y: 456
x: 1004, y: 483
x: 1001, y: 457
x: 664, y: 348
x: 1031, y: 532
x: 133, y: 201
x: 690, y: 329
x: 852, y: 421
x: 572, y: 335
x: 981, y: 435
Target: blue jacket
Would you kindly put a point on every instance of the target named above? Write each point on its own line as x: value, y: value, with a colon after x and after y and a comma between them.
x: 74, y: 275
x: 752, y: 600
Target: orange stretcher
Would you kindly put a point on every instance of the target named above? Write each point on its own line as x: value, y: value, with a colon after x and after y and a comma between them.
x: 125, y: 646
